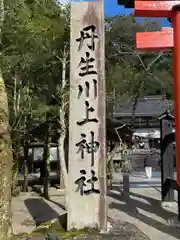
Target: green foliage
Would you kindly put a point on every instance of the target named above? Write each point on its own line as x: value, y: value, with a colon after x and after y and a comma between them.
x: 34, y: 37
x: 129, y: 73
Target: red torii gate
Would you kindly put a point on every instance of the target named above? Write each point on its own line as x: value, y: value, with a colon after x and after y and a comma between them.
x: 167, y: 39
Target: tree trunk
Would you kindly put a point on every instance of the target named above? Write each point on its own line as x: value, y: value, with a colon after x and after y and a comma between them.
x: 61, y: 140
x: 6, y: 162
x: 15, y: 96
x: 26, y: 150
x: 47, y: 146
x: 110, y: 167
x: 18, y: 98
x: 61, y: 150
x: 15, y: 168
x: 6, y: 159
x: 25, y: 183
x: 16, y: 144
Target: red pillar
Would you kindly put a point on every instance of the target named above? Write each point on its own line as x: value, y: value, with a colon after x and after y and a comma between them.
x: 176, y: 59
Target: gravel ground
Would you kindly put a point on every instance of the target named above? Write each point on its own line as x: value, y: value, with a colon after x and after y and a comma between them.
x: 119, y: 231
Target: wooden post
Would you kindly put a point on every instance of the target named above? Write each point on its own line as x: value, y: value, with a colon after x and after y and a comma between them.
x: 87, y: 141
x: 167, y: 158
x: 126, y: 186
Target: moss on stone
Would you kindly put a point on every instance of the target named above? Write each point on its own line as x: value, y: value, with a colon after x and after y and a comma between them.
x: 58, y: 226
x: 19, y: 236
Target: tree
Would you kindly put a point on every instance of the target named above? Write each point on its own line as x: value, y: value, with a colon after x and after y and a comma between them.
x: 132, y: 73
x: 46, y: 158
x: 39, y: 63
x: 5, y: 154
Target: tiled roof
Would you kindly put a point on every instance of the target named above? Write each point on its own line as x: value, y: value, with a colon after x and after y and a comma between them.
x: 148, y: 106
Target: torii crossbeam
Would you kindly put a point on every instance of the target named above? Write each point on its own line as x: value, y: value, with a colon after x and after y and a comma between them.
x: 155, y: 41
x: 155, y: 8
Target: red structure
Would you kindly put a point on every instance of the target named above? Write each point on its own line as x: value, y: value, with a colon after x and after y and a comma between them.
x: 158, y: 41
x: 167, y: 39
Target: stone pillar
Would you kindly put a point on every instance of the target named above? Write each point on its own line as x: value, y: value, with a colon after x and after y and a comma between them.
x: 87, y: 126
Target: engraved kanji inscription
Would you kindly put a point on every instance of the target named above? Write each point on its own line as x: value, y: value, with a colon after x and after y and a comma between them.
x: 89, y: 147
x: 86, y: 65
x: 82, y: 183
x: 92, y: 181
x: 92, y: 147
x: 81, y: 89
x: 95, y: 88
x: 87, y: 33
x: 87, y: 118
x: 87, y: 89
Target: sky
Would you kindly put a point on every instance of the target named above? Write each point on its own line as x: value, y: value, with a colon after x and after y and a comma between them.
x: 113, y: 9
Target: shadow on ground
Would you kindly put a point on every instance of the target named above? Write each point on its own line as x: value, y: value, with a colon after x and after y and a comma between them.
x: 140, y: 184
x: 40, y: 210
x: 58, y: 204
x: 34, y: 180
x: 153, y: 206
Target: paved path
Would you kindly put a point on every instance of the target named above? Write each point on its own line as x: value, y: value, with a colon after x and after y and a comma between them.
x: 138, y: 180
x: 29, y: 210
x: 143, y: 207
x: 137, y: 160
